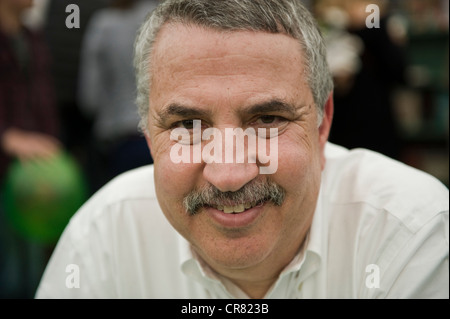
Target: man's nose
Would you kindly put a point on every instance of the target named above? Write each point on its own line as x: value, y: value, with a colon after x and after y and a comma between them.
x: 237, y: 163
x: 230, y: 177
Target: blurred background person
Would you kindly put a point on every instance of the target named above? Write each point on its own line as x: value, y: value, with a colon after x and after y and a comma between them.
x: 107, y: 88
x: 65, y: 48
x: 367, y: 65
x: 29, y: 130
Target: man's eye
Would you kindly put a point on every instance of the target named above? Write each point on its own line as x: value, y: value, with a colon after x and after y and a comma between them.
x: 270, y: 120
x: 187, y: 124
x: 184, y: 131
x: 267, y: 119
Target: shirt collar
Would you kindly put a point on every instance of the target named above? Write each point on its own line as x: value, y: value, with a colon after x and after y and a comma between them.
x: 194, y: 267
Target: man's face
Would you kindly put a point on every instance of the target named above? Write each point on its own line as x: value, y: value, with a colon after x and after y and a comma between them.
x: 228, y: 80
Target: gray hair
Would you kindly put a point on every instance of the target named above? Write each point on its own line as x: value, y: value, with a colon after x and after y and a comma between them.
x: 275, y: 16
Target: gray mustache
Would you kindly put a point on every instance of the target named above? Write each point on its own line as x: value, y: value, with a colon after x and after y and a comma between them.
x: 255, y: 191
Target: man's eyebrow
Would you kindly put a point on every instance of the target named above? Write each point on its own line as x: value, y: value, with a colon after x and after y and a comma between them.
x: 189, y: 112
x: 272, y: 106
x: 181, y: 111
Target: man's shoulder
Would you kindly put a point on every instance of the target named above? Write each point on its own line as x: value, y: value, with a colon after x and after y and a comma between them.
x: 380, y: 212
x: 115, y: 240
x: 130, y: 196
x: 366, y: 177
x: 132, y: 185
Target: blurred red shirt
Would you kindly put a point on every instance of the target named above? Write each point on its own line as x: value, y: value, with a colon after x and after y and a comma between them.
x: 27, y: 97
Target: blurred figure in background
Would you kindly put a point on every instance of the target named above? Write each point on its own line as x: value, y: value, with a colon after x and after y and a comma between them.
x: 65, y: 46
x: 29, y: 127
x: 367, y: 64
x: 107, y: 88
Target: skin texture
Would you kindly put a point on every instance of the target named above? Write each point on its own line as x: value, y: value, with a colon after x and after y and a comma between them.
x: 221, y: 78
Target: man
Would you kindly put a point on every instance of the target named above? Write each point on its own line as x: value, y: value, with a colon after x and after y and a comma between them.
x: 327, y: 223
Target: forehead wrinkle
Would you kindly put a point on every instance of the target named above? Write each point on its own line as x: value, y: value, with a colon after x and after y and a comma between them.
x: 219, y: 47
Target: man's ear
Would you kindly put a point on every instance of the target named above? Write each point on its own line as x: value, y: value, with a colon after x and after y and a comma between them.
x: 325, y: 126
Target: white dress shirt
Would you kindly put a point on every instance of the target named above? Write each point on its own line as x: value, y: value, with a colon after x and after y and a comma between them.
x: 380, y: 230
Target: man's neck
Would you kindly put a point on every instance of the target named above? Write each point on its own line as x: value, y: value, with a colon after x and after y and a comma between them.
x: 256, y: 281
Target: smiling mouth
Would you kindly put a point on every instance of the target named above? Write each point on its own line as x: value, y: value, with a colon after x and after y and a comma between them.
x: 252, y: 195
x: 238, y: 208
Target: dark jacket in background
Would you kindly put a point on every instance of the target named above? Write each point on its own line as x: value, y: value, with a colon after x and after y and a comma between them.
x: 27, y: 96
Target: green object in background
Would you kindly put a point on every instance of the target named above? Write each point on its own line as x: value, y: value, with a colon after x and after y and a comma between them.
x: 41, y: 196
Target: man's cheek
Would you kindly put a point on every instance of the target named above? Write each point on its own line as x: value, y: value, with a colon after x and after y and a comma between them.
x: 293, y: 168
